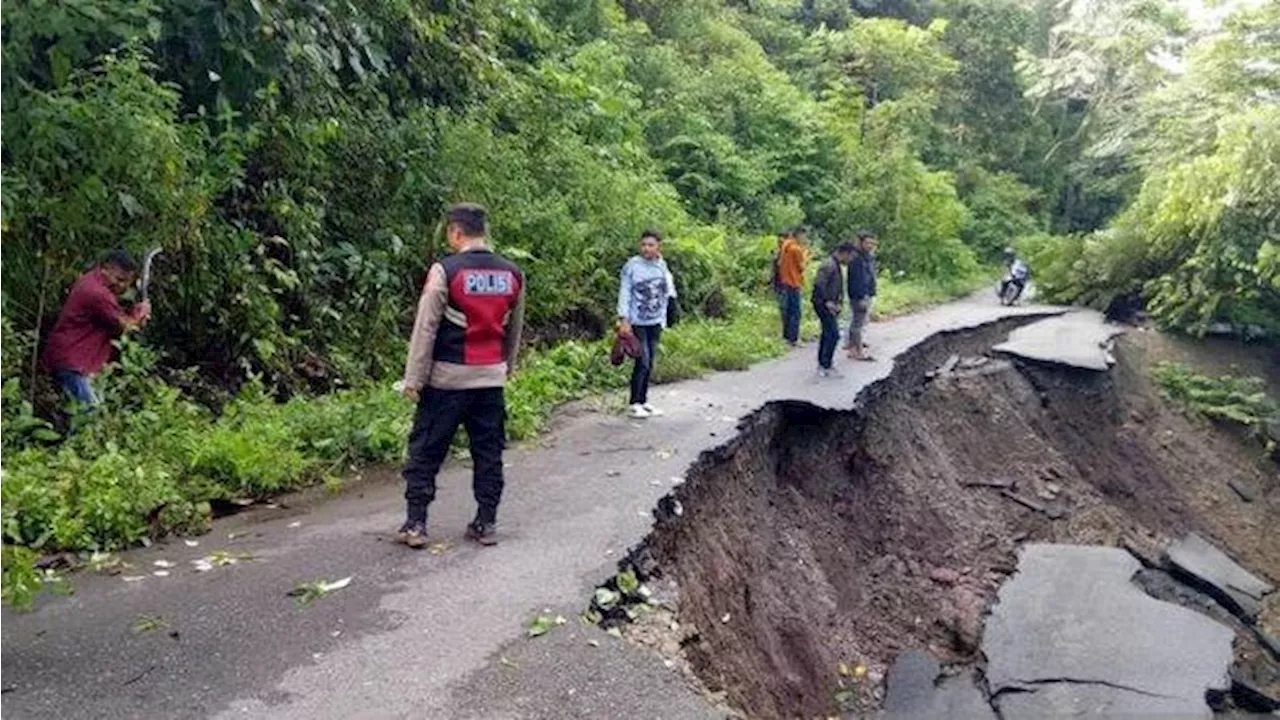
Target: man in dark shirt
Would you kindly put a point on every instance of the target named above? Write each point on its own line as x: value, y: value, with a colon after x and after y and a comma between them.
x: 862, y: 291
x: 79, y: 345
x: 828, y: 295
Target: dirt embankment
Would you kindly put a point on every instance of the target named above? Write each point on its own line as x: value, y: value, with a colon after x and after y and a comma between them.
x: 823, y: 541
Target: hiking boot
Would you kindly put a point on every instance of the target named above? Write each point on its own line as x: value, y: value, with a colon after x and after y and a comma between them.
x: 412, y: 534
x: 484, y: 533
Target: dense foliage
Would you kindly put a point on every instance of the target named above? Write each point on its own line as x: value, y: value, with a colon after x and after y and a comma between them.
x: 1199, y: 151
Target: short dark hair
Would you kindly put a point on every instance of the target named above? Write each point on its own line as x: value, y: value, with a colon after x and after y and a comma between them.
x: 866, y: 235
x: 650, y: 232
x: 120, y: 259
x: 846, y: 247
x: 471, y: 219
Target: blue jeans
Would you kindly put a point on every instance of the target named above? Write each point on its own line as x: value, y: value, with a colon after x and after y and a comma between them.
x: 830, y: 337
x: 648, y: 335
x: 791, y: 315
x: 77, y: 386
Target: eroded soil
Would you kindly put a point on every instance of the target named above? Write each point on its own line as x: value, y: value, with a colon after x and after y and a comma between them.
x: 819, y: 542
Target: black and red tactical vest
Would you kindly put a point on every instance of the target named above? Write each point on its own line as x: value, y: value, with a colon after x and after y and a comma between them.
x: 483, y: 290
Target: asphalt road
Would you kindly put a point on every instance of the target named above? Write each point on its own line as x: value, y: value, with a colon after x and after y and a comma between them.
x: 418, y: 634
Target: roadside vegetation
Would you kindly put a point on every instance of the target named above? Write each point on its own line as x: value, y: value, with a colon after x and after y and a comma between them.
x: 1240, y: 401
x: 293, y: 160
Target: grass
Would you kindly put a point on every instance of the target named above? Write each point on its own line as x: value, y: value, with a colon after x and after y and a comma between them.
x: 899, y: 297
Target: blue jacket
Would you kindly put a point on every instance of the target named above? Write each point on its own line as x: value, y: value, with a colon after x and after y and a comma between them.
x: 862, y: 276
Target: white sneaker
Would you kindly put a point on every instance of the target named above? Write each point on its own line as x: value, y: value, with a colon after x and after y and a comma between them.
x: 653, y: 411
x: 638, y: 412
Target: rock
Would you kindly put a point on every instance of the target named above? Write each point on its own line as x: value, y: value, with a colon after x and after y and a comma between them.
x: 1072, y: 635
x: 909, y: 686
x: 1244, y: 489
x: 1250, y: 697
x: 1237, y: 588
x: 945, y: 576
x: 913, y: 691
x: 1053, y: 488
x: 1078, y: 339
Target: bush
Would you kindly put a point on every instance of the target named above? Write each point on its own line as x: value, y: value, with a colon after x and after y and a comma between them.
x: 1239, y: 400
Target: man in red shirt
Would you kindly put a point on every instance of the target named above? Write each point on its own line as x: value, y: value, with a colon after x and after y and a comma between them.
x: 79, y: 345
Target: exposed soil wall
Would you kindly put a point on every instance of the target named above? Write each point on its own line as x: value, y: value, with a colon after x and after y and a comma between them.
x: 821, y: 538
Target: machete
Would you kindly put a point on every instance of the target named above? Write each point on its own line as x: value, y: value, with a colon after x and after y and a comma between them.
x: 145, y: 282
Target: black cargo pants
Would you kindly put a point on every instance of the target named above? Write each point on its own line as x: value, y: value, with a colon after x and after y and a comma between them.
x: 483, y: 413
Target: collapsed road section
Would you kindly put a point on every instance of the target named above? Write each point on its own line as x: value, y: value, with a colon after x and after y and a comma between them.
x: 992, y: 528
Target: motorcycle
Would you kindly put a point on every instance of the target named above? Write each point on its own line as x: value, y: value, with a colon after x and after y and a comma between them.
x: 1010, y: 290
x: 1014, y: 282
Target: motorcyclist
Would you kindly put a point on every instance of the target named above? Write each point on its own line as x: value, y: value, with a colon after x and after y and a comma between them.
x: 1016, y: 273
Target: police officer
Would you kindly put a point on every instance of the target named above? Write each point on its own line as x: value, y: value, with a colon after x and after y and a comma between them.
x: 463, y: 349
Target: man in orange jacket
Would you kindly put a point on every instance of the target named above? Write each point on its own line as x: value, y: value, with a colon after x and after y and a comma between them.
x: 792, y: 259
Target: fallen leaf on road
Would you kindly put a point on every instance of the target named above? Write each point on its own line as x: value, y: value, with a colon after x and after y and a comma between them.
x: 440, y: 548
x: 628, y: 582
x: 308, y: 593
x: 336, y: 584
x: 161, y: 573
x: 726, y: 618
x: 163, y: 564
x: 295, y: 524
x: 202, y: 565
x: 606, y: 598
x: 100, y: 561
x: 541, y: 625
x: 191, y: 543
x: 221, y: 558
x: 133, y: 578
x: 147, y: 623
x: 593, y: 643
x: 614, y: 632
x: 613, y: 473
x: 664, y: 454
x: 507, y: 662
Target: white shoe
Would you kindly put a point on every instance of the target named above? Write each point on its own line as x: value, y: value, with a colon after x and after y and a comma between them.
x: 653, y: 411
x: 638, y: 412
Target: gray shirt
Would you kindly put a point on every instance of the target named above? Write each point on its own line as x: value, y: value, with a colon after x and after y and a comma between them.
x: 644, y: 291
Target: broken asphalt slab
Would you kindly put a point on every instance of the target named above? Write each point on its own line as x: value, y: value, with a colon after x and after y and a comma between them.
x: 1071, y: 634
x: 1080, y: 339
x: 1238, y: 589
